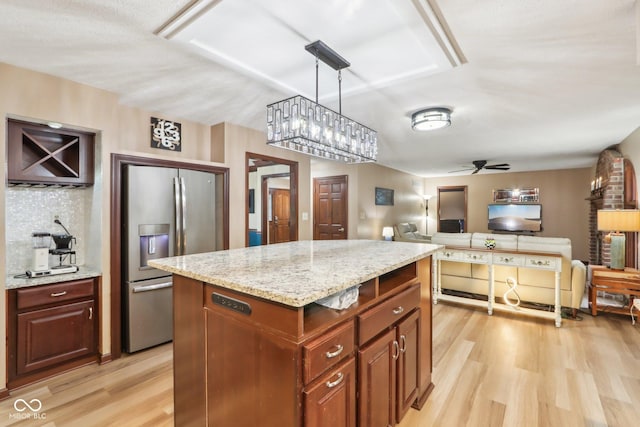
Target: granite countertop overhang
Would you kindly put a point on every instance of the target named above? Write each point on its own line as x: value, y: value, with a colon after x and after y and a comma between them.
x: 84, y: 272
x: 297, y: 273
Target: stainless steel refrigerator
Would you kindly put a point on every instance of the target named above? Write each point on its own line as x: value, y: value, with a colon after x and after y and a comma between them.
x: 167, y: 212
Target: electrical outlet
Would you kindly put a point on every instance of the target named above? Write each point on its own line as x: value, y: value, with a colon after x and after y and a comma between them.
x: 56, y: 217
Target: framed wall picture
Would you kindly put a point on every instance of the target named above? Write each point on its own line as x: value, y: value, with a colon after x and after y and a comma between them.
x: 384, y: 196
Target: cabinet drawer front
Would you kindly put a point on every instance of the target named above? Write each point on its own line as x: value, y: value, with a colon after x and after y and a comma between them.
x: 542, y: 262
x: 508, y: 259
x: 377, y: 319
x: 446, y: 254
x: 331, y: 401
x: 327, y: 350
x: 52, y: 294
x: 477, y: 257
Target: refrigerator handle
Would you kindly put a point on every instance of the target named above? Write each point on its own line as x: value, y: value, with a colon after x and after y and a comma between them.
x: 183, y: 201
x: 177, y: 195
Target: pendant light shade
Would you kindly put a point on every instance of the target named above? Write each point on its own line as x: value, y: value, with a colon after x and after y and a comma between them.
x: 431, y: 119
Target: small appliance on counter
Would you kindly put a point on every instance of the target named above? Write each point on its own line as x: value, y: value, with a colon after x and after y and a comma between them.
x: 42, y: 249
x: 41, y: 242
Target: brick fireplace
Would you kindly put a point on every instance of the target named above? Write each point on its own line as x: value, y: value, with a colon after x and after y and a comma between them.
x: 613, y: 187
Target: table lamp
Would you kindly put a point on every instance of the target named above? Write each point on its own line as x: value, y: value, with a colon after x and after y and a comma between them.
x: 617, y: 221
x: 387, y: 233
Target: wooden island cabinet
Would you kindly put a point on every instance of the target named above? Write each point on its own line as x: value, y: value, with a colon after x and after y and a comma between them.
x: 256, y: 349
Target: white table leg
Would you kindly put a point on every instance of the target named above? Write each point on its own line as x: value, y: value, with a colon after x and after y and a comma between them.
x: 435, y: 278
x: 558, y: 308
x: 490, y: 297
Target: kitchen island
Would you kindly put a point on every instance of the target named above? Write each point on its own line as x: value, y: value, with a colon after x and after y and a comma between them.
x: 252, y: 346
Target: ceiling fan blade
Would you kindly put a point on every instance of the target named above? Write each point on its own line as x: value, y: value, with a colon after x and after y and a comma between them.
x: 463, y: 170
x: 498, y: 165
x: 475, y: 171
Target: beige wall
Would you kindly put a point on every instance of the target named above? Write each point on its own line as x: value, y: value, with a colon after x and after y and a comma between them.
x: 630, y: 148
x: 563, y: 194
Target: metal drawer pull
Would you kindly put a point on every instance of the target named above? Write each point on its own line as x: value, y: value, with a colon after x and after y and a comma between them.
x: 403, y: 348
x: 396, y: 350
x: 333, y: 354
x: 90, y: 313
x: 58, y: 294
x: 332, y: 384
x: 398, y: 310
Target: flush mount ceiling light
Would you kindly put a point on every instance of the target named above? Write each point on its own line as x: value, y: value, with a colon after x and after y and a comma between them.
x: 431, y: 119
x: 299, y: 124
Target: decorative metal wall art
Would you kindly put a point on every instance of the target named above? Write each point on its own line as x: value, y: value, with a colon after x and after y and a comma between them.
x: 166, y: 135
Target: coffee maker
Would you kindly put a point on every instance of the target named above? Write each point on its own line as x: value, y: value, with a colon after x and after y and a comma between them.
x: 41, y: 242
x: 64, y: 247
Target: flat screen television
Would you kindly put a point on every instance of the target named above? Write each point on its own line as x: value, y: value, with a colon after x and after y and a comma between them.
x: 515, y: 217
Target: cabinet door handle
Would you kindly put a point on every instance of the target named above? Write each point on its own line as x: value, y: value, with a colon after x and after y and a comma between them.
x: 398, y: 310
x: 332, y: 384
x: 396, y: 350
x: 332, y: 354
x: 90, y: 313
x: 403, y: 347
x: 58, y: 294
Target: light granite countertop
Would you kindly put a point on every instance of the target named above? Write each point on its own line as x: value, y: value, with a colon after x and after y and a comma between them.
x: 297, y: 273
x: 15, y: 281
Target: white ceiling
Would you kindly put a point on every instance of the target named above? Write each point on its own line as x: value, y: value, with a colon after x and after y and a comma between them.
x: 539, y: 84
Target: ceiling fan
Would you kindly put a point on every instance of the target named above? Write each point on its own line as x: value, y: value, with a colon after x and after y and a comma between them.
x: 482, y: 164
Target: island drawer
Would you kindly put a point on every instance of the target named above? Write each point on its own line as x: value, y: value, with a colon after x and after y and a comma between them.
x: 52, y: 294
x: 327, y: 350
x: 378, y: 318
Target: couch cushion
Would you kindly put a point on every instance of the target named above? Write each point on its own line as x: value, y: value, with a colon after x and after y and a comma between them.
x: 452, y: 239
x: 561, y: 245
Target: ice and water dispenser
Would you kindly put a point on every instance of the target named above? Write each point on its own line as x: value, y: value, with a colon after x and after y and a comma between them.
x: 154, y: 242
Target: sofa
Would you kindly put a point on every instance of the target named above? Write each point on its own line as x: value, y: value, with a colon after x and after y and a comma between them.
x: 535, y: 286
x: 408, y: 232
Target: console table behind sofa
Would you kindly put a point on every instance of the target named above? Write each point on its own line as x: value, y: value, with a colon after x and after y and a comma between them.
x: 542, y: 267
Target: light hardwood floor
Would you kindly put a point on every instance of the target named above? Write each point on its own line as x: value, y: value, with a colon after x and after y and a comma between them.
x: 500, y: 370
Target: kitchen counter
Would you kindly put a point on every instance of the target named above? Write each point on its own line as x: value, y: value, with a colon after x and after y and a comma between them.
x: 247, y: 334
x: 297, y: 273
x: 12, y: 282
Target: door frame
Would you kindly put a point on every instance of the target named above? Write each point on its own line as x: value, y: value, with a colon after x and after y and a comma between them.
x: 118, y: 162
x: 293, y: 186
x: 264, y: 189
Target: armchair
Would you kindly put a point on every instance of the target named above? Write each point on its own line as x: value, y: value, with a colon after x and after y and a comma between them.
x: 408, y: 232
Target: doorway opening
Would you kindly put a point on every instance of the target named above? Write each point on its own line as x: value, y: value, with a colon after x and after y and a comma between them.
x: 452, y: 209
x: 272, y: 200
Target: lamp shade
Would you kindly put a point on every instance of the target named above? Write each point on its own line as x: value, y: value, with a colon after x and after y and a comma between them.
x: 619, y: 220
x: 387, y: 233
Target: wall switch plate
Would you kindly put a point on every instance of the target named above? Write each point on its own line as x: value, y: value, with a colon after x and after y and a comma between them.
x: 305, y: 216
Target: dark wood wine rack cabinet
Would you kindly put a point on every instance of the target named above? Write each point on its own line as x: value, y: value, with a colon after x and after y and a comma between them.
x: 40, y: 155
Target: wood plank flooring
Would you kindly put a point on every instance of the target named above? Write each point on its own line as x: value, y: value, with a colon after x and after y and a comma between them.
x: 501, y: 370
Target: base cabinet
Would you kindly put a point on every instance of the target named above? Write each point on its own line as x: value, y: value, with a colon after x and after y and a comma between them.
x: 51, y: 328
x: 389, y: 374
x: 240, y: 360
x: 331, y: 401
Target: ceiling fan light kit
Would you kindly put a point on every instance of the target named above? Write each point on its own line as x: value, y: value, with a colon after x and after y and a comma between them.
x: 305, y: 126
x: 431, y: 119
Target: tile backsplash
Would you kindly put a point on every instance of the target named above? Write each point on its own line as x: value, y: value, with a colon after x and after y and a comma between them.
x: 34, y: 209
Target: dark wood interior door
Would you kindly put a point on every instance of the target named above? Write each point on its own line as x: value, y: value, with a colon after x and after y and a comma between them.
x: 330, y: 208
x: 280, y: 221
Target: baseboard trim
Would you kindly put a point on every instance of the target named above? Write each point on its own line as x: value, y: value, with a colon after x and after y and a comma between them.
x: 4, y: 393
x: 105, y: 358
